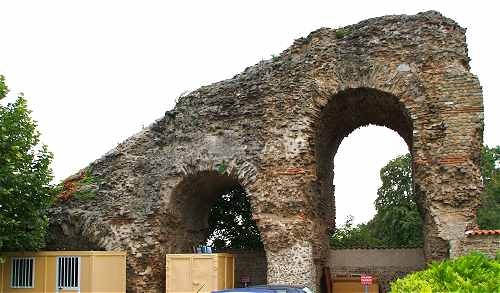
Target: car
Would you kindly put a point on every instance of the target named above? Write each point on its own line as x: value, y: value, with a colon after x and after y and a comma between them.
x: 267, y: 289
x: 284, y: 288
x: 245, y: 290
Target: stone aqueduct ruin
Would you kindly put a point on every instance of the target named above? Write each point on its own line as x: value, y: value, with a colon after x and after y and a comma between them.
x: 274, y: 129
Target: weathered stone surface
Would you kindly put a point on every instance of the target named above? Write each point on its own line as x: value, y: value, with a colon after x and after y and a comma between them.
x: 275, y: 129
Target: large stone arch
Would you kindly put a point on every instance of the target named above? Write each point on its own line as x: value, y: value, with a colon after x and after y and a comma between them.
x: 346, y: 111
x: 267, y: 123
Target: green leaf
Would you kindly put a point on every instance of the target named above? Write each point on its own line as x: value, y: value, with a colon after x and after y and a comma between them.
x: 221, y: 168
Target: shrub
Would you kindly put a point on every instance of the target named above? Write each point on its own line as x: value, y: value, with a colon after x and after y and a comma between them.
x: 472, y: 273
x: 340, y: 33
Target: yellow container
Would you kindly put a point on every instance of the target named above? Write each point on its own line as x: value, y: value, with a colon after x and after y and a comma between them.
x: 199, y: 272
x: 63, y: 271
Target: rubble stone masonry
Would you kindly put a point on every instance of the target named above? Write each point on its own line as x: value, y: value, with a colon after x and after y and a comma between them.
x: 274, y: 129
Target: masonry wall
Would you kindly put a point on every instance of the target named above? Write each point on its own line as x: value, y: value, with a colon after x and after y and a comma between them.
x: 486, y: 244
x: 384, y: 264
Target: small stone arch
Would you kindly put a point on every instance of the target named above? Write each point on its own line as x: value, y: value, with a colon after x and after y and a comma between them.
x: 189, y: 204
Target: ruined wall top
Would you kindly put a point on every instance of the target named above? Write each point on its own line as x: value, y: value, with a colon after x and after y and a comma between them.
x: 401, y: 43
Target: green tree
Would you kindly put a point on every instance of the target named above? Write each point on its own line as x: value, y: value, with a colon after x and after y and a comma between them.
x: 354, y: 236
x: 25, y: 175
x: 396, y: 189
x: 230, y: 222
x: 488, y: 215
x: 397, y: 222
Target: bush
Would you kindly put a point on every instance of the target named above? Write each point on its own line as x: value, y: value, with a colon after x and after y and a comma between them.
x: 472, y: 273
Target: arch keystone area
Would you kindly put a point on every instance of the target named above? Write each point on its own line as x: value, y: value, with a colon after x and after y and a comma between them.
x: 277, y: 125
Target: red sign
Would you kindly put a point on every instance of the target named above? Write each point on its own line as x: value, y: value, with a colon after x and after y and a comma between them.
x: 366, y: 280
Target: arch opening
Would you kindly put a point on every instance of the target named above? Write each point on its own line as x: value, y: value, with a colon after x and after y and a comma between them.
x: 347, y: 111
x: 213, y: 208
x: 358, y: 168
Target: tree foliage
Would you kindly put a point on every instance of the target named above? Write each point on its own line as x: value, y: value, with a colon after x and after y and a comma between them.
x: 488, y: 215
x: 397, y: 221
x: 3, y: 87
x: 230, y: 222
x: 396, y: 189
x: 25, y: 175
x: 354, y: 236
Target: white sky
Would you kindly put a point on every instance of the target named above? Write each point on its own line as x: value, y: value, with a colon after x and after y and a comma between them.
x: 95, y: 72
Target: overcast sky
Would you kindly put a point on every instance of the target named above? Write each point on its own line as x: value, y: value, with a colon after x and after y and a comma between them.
x: 95, y: 72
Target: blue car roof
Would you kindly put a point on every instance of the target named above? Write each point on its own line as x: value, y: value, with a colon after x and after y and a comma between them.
x: 249, y: 290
